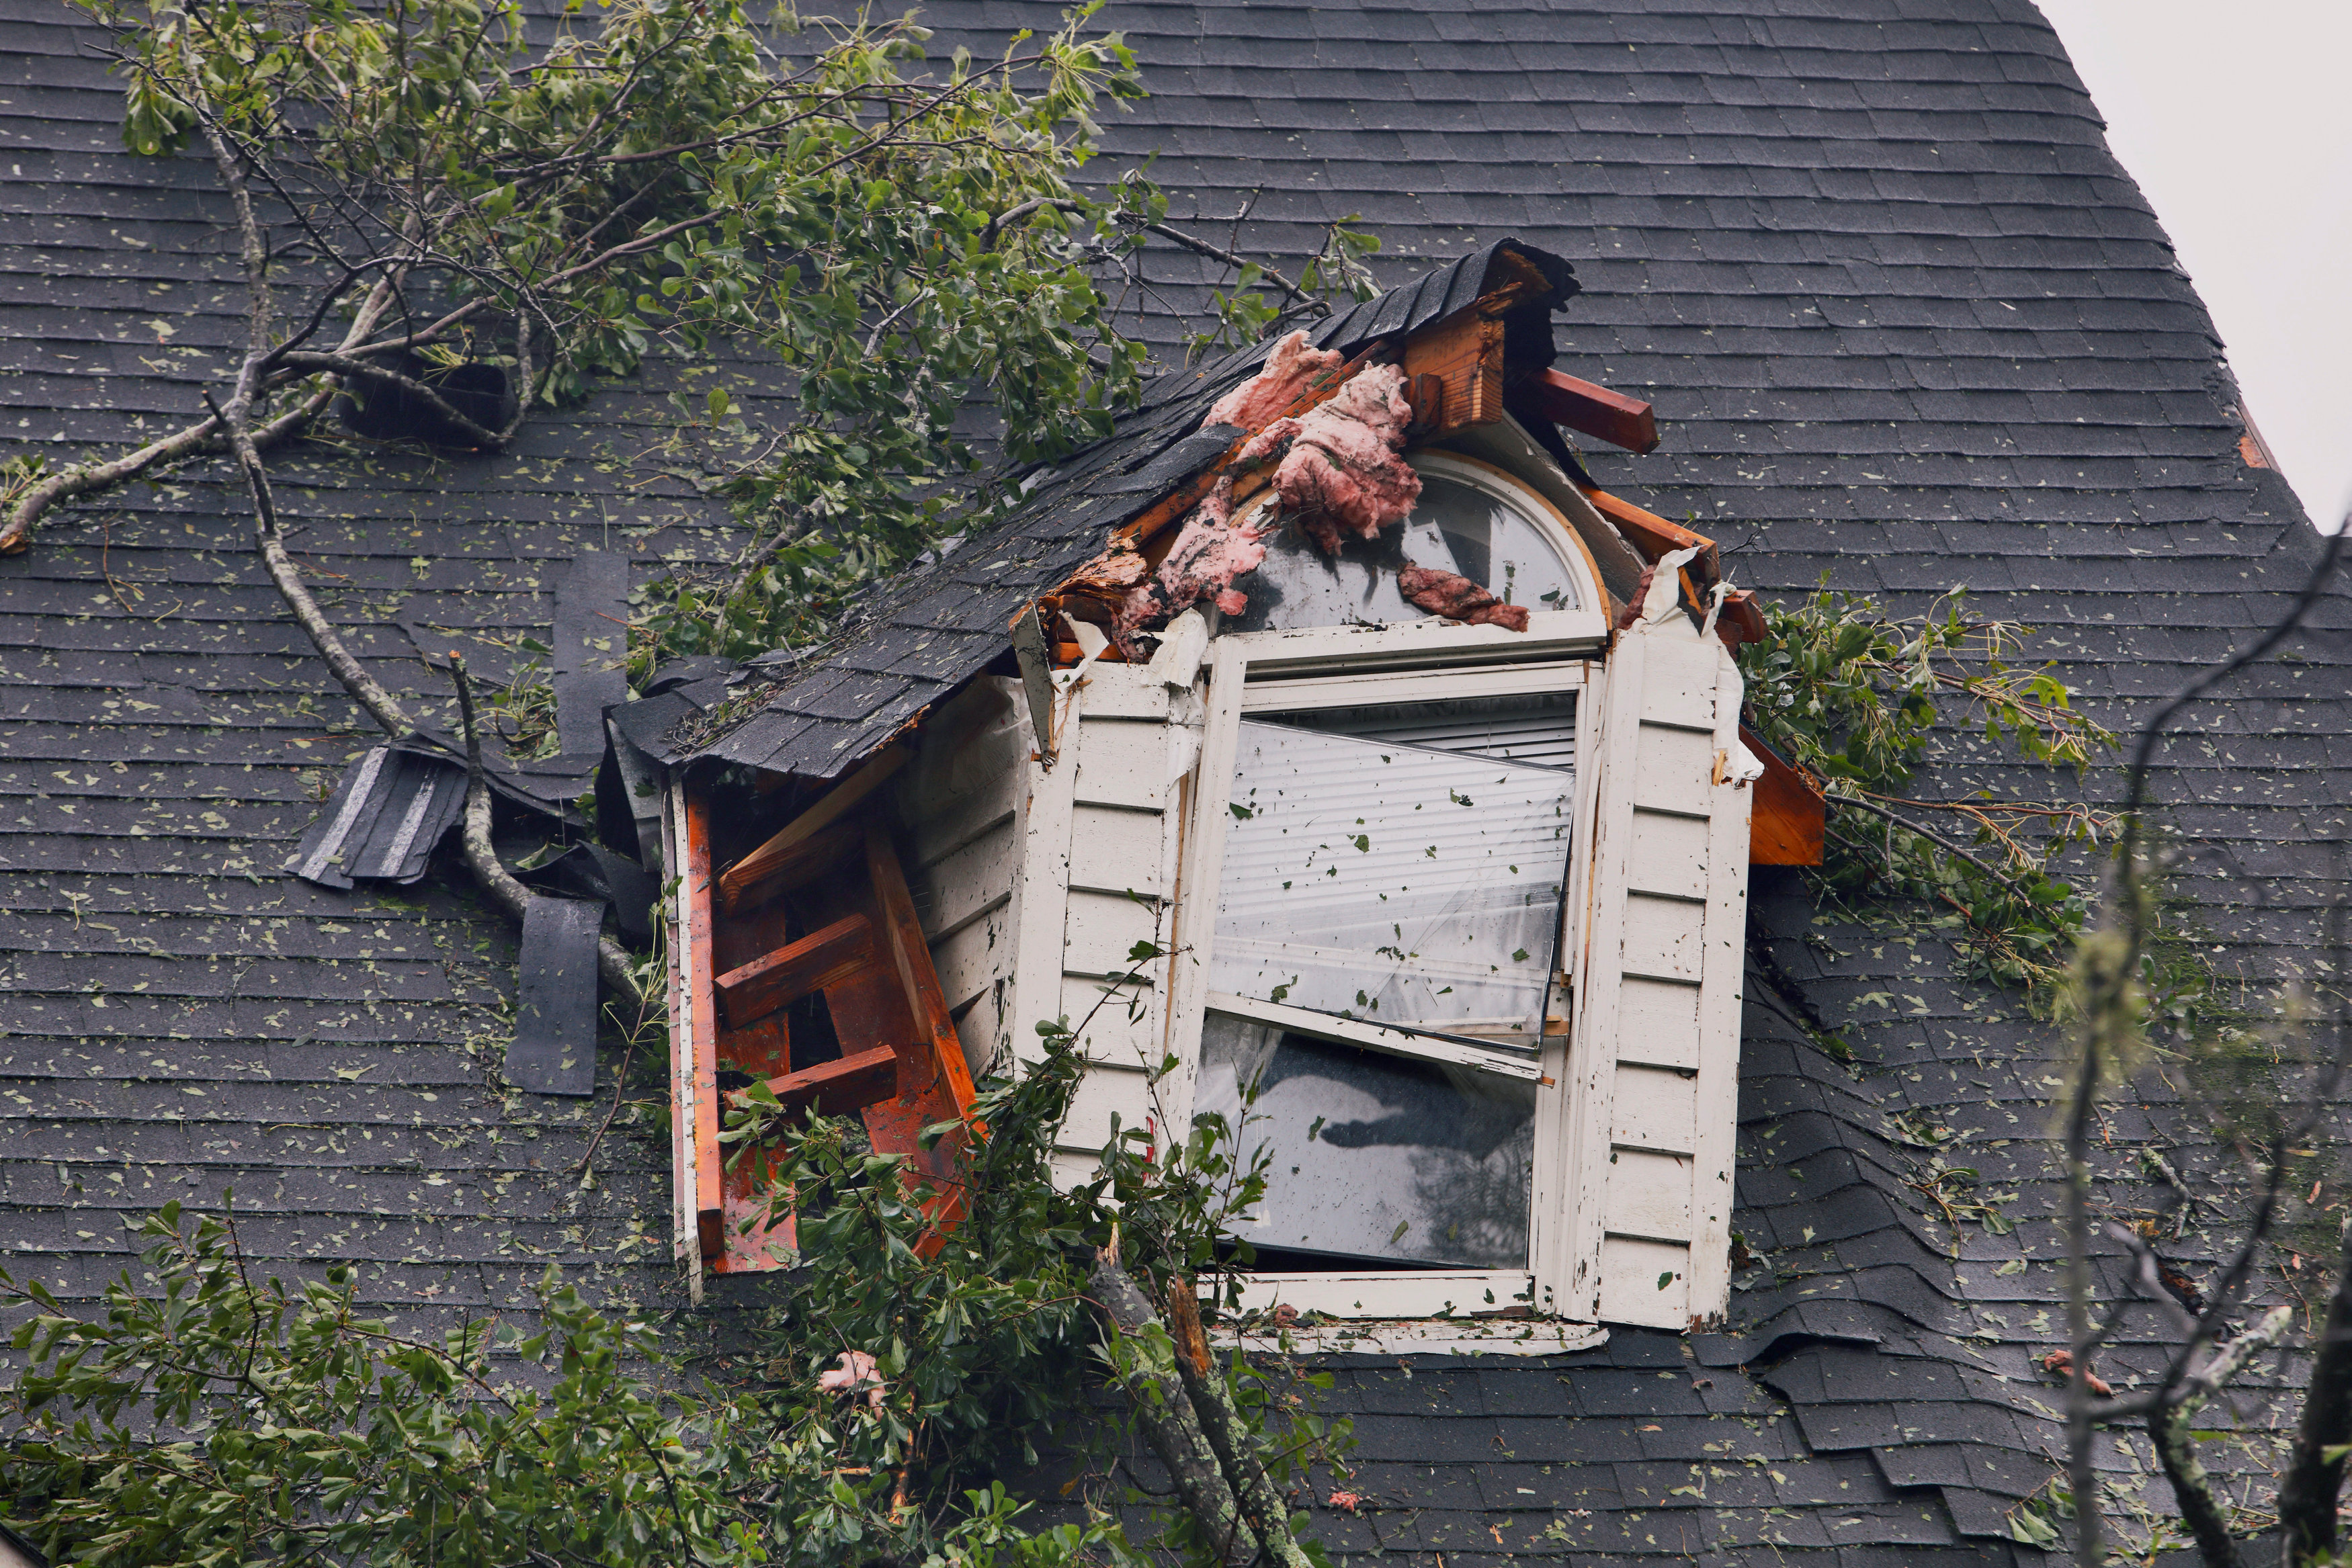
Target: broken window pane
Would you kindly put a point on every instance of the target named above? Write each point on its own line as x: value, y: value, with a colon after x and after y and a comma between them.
x: 1398, y: 883
x: 1374, y: 1156
x: 1455, y: 528
x: 1538, y: 729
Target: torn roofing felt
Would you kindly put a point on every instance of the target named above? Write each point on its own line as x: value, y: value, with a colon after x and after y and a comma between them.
x: 937, y: 626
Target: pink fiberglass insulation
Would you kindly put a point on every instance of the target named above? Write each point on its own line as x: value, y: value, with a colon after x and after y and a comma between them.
x: 1210, y: 551
x: 1285, y: 379
x: 1266, y: 447
x: 1456, y: 598
x: 1204, y: 560
x: 1343, y: 470
x: 1338, y: 468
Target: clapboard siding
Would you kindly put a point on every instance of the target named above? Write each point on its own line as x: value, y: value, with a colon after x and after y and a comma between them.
x: 1644, y: 1281
x: 961, y: 886
x: 1658, y: 1023
x: 1104, y: 927
x: 1656, y: 1043
x: 1650, y: 1195
x: 1120, y: 1024
x: 973, y: 960
x: 960, y: 806
x: 1657, y: 1110
x: 1116, y: 850
x: 1095, y: 859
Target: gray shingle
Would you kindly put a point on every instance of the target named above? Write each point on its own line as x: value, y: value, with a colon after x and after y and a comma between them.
x: 1907, y: 322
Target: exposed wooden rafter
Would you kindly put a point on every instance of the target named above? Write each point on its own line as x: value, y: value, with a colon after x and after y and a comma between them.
x: 1591, y: 409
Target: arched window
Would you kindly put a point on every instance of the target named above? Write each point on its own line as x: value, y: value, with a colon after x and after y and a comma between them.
x: 1473, y: 519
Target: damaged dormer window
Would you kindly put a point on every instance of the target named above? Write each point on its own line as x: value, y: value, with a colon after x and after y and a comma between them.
x: 1383, y: 1003
x: 1410, y: 758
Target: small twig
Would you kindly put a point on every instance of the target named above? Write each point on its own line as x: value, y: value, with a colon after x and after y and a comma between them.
x: 1191, y: 242
x: 620, y: 1096
x: 2163, y: 1168
x: 105, y: 566
x: 1941, y: 843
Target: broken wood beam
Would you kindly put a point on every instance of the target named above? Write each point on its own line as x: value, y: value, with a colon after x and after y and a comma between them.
x: 1742, y: 620
x: 701, y: 1116
x: 837, y: 1088
x: 1654, y: 535
x: 1593, y: 410
x: 799, y: 969
x: 910, y: 956
x: 755, y: 877
x: 1790, y: 816
x: 797, y: 865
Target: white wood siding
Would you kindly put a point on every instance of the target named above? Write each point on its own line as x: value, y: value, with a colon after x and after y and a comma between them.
x: 1087, y: 865
x: 963, y: 803
x: 1655, y: 1050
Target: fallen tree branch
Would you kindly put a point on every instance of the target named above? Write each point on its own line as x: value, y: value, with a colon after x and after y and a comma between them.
x: 36, y: 501
x: 1162, y: 1408
x: 1228, y: 1434
x: 613, y: 962
x: 1941, y: 843
x: 364, y: 688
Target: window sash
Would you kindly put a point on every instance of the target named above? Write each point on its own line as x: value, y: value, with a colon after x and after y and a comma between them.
x: 1504, y: 1058
x: 1461, y: 858
x: 1345, y: 1292
x: 1273, y: 671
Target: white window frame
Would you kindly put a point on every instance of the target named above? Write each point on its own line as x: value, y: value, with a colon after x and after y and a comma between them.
x: 1420, y: 661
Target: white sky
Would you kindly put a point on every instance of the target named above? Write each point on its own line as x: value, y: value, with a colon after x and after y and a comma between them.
x: 2234, y: 118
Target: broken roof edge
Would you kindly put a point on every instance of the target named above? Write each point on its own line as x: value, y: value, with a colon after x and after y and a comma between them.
x: 804, y: 724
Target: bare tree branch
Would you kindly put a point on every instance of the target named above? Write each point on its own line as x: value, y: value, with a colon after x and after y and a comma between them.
x: 2107, y: 972
x: 2168, y: 1431
x: 364, y: 688
x: 613, y: 963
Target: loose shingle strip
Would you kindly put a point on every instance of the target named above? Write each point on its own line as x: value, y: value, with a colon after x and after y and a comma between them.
x: 554, y: 1047
x: 592, y: 612
x: 390, y: 809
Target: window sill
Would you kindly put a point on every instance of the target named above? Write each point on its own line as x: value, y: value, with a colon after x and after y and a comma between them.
x: 1424, y: 1336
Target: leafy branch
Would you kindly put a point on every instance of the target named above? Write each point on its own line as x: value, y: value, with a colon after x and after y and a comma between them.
x: 1852, y: 696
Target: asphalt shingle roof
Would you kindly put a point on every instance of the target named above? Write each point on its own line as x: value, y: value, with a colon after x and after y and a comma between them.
x: 1905, y: 320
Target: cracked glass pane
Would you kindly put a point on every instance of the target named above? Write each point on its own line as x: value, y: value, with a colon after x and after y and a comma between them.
x: 1455, y: 528
x: 1399, y: 882
x: 1374, y: 1156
